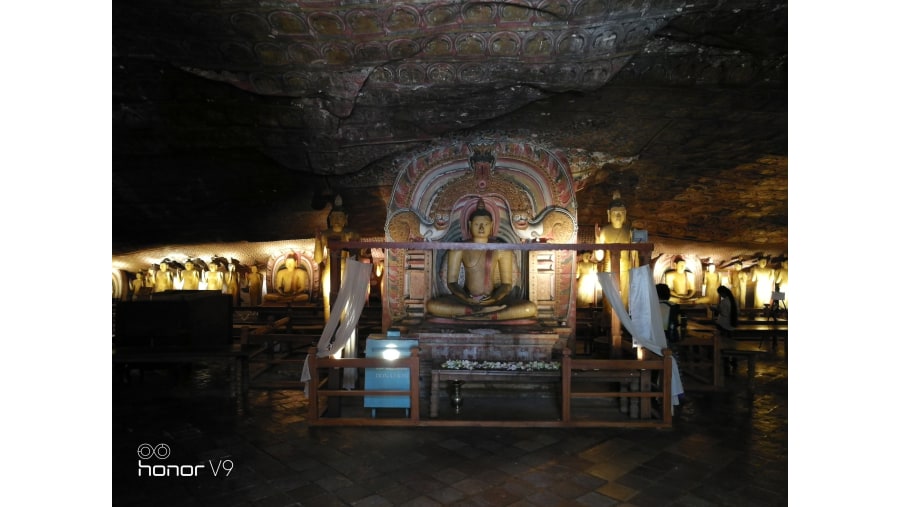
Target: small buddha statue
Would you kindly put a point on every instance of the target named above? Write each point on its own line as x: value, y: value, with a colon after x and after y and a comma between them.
x: 189, y: 276
x: 214, y: 278
x: 681, y: 281
x: 291, y: 283
x: 233, y: 282
x: 781, y: 280
x: 586, y: 274
x: 711, y: 282
x: 138, y: 284
x: 739, y: 282
x: 254, y: 285
x: 165, y: 279
x: 764, y: 276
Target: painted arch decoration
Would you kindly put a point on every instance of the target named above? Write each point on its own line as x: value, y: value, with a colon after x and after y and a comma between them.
x: 530, y: 187
x: 529, y: 190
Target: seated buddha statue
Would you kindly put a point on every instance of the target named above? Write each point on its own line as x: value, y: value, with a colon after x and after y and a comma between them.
x: 680, y: 281
x: 291, y: 283
x: 487, y: 292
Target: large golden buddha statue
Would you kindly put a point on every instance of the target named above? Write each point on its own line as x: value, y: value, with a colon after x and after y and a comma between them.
x: 338, y: 231
x: 617, y: 231
x: 487, y: 293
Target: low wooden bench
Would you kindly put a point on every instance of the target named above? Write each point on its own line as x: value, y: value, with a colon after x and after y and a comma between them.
x: 745, y: 330
x: 520, y: 376
x: 631, y: 381
x: 744, y: 355
x: 696, y: 359
x: 658, y: 415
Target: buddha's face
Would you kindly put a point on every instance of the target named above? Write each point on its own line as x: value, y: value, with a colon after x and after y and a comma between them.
x: 617, y: 217
x: 338, y: 221
x: 763, y: 263
x: 189, y: 266
x: 481, y: 227
x: 712, y: 268
x: 254, y: 269
x: 290, y: 263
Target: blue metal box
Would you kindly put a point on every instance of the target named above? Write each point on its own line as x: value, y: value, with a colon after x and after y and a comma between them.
x: 387, y: 379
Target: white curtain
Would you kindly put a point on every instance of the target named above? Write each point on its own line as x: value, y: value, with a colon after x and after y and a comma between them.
x: 342, y: 322
x: 645, y: 322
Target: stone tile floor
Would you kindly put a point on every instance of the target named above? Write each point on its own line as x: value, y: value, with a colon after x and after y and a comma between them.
x: 726, y: 448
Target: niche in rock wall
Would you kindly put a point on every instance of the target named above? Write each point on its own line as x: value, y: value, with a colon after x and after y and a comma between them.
x: 530, y: 193
x: 305, y: 262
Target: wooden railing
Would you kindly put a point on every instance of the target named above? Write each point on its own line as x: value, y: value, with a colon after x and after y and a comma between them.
x: 333, y: 391
x: 325, y: 407
x: 652, y: 377
x: 604, y: 371
x: 277, y: 345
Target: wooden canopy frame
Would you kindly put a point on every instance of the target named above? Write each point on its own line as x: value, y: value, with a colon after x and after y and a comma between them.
x: 614, y: 250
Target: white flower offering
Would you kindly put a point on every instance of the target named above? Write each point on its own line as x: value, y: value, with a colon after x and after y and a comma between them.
x: 466, y: 364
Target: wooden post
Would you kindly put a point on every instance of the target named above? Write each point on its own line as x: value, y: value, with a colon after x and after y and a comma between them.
x: 615, y: 324
x: 566, y: 383
x: 334, y: 383
x: 645, y: 388
x: 667, y: 387
x: 718, y: 373
x: 242, y: 378
x: 312, y: 415
x: 334, y: 374
x: 335, y: 276
x: 414, y: 385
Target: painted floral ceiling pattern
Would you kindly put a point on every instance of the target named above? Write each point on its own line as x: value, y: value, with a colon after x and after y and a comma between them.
x: 242, y: 120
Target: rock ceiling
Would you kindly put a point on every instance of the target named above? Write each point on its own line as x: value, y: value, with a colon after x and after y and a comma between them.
x: 240, y: 120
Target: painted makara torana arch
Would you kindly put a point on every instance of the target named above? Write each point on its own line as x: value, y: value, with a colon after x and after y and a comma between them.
x: 527, y: 188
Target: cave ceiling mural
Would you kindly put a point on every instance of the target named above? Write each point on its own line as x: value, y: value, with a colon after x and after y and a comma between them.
x: 242, y: 120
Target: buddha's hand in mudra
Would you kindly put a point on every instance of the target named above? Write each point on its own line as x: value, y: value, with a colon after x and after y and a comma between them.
x: 482, y: 300
x: 465, y: 297
x: 475, y: 300
x: 479, y: 299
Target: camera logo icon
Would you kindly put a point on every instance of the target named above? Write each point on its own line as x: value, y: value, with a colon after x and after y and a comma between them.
x: 147, y: 451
